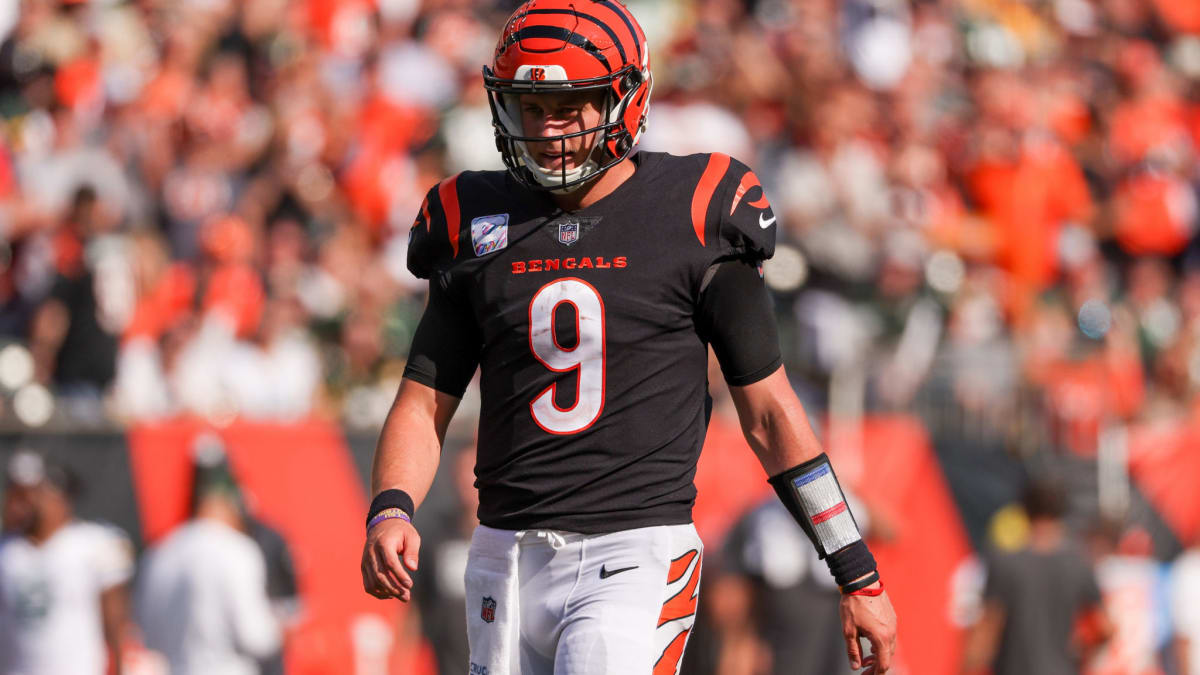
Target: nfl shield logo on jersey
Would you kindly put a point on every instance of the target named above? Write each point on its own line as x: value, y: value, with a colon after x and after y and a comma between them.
x: 488, y: 613
x: 568, y: 233
x: 489, y: 233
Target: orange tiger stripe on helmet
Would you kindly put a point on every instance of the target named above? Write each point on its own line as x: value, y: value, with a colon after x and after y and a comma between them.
x: 628, y: 32
x: 545, y: 32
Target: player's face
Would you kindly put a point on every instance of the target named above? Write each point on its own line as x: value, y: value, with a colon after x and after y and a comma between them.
x: 20, y: 508
x: 554, y: 114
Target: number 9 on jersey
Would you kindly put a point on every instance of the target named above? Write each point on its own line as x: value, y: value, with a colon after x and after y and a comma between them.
x: 586, y: 358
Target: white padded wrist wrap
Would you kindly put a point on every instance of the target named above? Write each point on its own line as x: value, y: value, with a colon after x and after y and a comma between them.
x: 811, y: 492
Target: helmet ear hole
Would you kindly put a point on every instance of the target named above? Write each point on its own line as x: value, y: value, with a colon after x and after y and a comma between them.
x: 630, y: 81
x: 623, y: 143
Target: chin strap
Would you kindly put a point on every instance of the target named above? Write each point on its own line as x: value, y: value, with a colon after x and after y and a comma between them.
x: 550, y: 179
x: 575, y: 178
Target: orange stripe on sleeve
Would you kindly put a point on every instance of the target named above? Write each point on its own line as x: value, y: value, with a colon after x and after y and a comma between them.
x: 749, y: 182
x: 717, y: 164
x: 448, y: 193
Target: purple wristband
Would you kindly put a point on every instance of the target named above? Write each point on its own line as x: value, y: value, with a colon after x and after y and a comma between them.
x: 388, y: 514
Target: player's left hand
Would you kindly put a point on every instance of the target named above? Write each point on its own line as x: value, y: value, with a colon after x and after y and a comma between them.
x: 384, y: 575
x: 874, y: 619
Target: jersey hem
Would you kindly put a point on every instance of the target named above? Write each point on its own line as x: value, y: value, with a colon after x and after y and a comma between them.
x: 599, y: 523
x: 430, y: 381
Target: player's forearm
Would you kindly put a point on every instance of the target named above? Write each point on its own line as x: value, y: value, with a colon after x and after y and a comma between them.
x: 255, y: 630
x: 782, y: 438
x: 774, y: 423
x: 406, y: 457
x: 114, y: 612
x: 777, y: 429
x: 982, y: 640
x: 410, y: 444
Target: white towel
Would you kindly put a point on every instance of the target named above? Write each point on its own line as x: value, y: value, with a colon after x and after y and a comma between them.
x: 493, y: 602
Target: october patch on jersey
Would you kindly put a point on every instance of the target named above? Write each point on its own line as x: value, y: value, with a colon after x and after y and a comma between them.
x: 489, y: 233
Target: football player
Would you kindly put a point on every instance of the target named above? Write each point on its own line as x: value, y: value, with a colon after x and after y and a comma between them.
x: 586, y: 283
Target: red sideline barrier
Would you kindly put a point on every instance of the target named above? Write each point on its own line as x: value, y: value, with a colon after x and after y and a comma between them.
x: 900, y: 477
x: 301, y: 481
x: 729, y: 481
x: 1165, y: 462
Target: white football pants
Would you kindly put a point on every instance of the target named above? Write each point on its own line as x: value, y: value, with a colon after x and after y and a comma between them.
x: 547, y: 602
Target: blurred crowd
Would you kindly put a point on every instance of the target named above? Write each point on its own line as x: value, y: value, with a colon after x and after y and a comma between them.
x: 989, y: 207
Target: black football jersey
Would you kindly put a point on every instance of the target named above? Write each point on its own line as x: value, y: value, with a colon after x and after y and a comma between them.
x: 593, y: 363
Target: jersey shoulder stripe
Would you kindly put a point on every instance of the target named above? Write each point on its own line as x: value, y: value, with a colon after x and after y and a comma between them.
x: 448, y: 194
x: 717, y: 165
x: 747, y: 221
x: 433, y: 239
x: 729, y: 212
x: 437, y: 234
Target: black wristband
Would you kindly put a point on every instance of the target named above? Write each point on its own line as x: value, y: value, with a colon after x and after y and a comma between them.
x: 391, y: 499
x: 851, y: 562
x: 861, y: 583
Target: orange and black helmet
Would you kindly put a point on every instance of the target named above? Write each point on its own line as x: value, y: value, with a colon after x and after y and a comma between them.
x: 570, y: 45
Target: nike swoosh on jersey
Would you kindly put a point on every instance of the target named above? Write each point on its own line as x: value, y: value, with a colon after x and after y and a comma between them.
x: 604, y: 574
x: 764, y: 224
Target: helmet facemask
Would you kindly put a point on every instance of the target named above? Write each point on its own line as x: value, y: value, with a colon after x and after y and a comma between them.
x: 613, y: 140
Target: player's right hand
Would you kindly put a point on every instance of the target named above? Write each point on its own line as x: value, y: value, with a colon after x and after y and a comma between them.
x: 872, y: 618
x: 388, y: 543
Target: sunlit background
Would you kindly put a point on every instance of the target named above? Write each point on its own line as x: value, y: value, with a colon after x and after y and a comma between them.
x: 988, y: 271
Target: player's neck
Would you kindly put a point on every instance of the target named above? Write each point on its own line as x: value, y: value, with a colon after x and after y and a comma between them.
x: 47, y: 526
x: 1045, y: 535
x: 596, y: 190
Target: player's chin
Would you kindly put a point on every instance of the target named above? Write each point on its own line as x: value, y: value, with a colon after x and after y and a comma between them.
x: 553, y: 157
x: 556, y: 163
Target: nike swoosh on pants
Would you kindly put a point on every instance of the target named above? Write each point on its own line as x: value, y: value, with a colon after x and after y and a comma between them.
x: 604, y: 573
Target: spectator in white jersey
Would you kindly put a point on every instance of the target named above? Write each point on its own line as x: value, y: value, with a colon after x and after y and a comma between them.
x: 1185, y: 609
x: 62, y: 580
x: 202, y: 598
